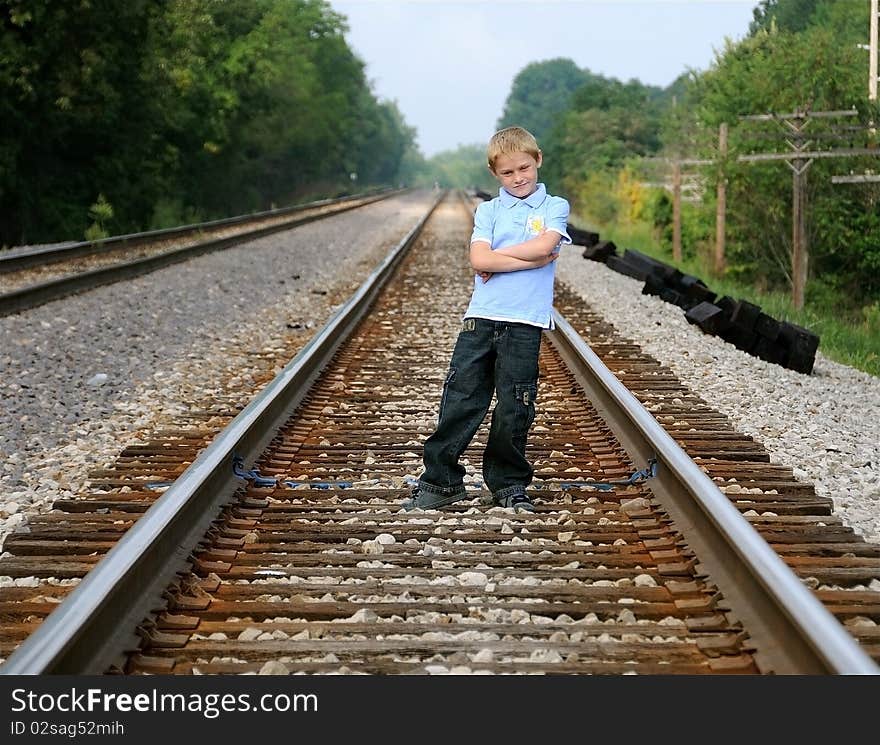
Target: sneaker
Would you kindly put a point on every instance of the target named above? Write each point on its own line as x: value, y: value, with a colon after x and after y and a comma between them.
x: 518, y: 501
x: 425, y: 500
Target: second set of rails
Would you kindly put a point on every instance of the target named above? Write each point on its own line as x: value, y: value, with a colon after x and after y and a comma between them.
x: 302, y: 560
x: 35, y: 275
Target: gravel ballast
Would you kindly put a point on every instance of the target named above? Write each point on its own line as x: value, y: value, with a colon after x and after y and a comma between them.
x: 823, y: 425
x: 84, y: 376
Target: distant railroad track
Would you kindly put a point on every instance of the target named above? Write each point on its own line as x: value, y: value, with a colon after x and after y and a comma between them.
x: 303, y: 561
x: 32, y: 277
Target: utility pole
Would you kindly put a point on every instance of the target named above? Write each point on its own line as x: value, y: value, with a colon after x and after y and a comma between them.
x: 721, y: 203
x: 799, y: 247
x: 676, y: 211
x: 799, y: 160
x: 872, y: 54
x: 681, y: 182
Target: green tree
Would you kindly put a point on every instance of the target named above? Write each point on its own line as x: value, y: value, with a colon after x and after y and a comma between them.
x: 541, y: 92
x: 786, y: 15
x: 69, y: 92
x: 180, y: 109
x: 464, y: 167
x: 607, y: 123
x: 819, y: 68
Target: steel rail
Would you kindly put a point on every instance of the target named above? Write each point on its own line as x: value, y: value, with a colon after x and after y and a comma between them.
x: 89, y: 632
x: 792, y: 631
x: 44, y: 292
x: 15, y: 260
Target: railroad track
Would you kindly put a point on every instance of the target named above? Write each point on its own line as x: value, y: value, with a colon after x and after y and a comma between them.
x: 305, y: 562
x: 29, y: 278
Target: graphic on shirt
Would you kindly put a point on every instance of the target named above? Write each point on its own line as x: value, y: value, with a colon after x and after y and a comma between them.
x: 535, y: 224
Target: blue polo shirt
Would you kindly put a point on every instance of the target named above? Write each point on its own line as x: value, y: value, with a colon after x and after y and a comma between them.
x: 525, y: 296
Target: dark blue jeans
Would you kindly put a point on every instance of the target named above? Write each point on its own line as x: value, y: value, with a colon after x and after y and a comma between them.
x: 489, y: 356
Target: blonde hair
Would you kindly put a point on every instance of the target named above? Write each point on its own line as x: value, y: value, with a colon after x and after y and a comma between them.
x: 511, y: 140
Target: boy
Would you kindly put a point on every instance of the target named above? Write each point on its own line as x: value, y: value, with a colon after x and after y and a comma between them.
x: 515, y: 241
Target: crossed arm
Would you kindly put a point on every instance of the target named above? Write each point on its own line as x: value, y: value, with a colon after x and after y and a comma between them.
x: 530, y: 254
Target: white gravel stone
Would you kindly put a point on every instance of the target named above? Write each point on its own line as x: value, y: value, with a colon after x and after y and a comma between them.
x: 484, y: 655
x: 645, y: 580
x: 473, y: 578
x: 273, y: 667
x: 372, y: 547
x: 363, y: 615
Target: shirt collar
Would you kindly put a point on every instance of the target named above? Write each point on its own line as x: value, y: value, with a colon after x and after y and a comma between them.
x: 535, y: 199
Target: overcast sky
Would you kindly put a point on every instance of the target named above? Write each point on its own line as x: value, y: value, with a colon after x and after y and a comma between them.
x: 450, y: 64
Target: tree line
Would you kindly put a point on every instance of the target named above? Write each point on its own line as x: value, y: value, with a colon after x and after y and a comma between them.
x: 608, y: 145
x: 138, y: 115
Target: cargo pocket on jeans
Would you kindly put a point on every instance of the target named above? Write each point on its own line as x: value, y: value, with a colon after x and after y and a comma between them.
x: 525, y: 407
x: 450, y: 376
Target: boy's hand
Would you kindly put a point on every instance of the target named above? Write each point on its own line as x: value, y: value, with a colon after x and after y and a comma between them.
x: 485, y: 276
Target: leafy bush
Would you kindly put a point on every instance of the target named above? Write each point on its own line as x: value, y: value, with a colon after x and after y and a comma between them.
x: 101, y: 212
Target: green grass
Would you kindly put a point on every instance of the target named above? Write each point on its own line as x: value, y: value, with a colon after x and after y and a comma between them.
x: 845, y: 336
